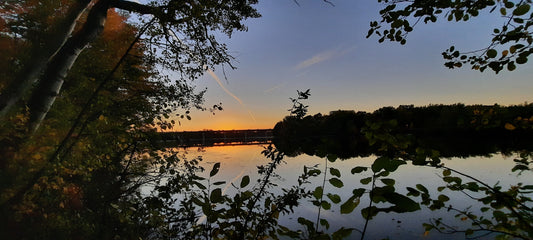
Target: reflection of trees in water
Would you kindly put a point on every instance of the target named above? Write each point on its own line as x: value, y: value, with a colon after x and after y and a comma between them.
x: 216, y: 138
x: 452, y: 130
x: 421, y: 136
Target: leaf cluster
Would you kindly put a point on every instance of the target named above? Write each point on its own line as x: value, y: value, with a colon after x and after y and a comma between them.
x: 512, y: 40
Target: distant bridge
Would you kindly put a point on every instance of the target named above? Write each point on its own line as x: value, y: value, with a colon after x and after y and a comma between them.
x: 217, y: 137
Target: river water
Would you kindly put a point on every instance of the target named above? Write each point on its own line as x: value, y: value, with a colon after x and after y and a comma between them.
x: 238, y: 161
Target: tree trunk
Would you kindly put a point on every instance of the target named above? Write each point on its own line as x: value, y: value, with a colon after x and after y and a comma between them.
x: 55, y: 73
x: 42, y: 53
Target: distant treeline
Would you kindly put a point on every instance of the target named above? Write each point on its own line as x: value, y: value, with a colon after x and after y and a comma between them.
x: 212, y: 137
x: 453, y: 130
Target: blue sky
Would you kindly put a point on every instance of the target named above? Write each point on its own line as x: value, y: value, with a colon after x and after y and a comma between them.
x: 323, y: 48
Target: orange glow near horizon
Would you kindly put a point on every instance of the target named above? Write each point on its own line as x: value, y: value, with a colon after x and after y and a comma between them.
x: 226, y: 120
x: 218, y: 126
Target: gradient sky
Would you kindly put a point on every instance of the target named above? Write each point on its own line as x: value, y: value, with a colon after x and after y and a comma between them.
x: 323, y: 48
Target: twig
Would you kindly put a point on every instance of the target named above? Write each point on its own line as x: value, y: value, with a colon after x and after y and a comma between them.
x: 322, y: 195
x: 371, y: 195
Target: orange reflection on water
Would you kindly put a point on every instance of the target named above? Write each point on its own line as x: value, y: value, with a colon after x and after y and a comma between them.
x: 234, y: 160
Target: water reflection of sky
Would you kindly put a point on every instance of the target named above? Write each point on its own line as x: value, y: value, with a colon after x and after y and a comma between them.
x: 237, y: 161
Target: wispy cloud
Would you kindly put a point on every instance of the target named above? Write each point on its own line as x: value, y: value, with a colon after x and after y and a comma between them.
x: 318, y: 58
x: 303, y: 66
x: 217, y: 79
x: 213, y: 75
x: 276, y: 87
x: 324, y: 56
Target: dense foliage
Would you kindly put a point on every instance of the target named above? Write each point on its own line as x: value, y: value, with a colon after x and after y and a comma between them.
x: 86, y: 170
x: 94, y: 167
x: 447, y: 128
x: 510, y: 45
x: 395, y: 137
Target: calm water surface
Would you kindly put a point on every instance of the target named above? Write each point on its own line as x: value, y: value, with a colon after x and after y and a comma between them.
x: 237, y: 161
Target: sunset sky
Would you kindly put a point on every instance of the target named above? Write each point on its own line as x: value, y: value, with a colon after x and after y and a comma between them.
x: 323, y: 48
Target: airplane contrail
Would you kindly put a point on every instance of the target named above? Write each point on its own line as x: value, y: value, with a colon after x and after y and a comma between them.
x: 214, y: 76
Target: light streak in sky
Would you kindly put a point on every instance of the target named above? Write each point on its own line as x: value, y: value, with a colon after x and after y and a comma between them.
x: 213, y: 75
x: 318, y: 58
x: 324, y: 56
x: 276, y: 87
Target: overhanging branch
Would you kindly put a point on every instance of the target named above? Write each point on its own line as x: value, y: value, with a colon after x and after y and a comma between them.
x: 157, y: 11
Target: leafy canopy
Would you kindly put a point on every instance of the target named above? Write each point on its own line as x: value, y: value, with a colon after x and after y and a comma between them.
x: 510, y: 44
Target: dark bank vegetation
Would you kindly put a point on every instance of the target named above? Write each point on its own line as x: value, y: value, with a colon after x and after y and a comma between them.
x: 82, y: 90
x: 453, y: 130
x: 396, y: 138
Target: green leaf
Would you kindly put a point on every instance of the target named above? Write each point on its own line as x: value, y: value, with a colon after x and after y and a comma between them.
x: 521, y: 10
x: 472, y: 186
x: 511, y: 66
x: 503, y: 11
x: 306, y: 223
x: 521, y: 60
x: 499, y: 216
x: 350, y: 204
x: 491, y: 53
x: 446, y: 172
x: 314, y: 172
x: 318, y: 192
x: 324, y: 222
x: 401, y: 202
x: 247, y: 194
x: 334, y: 198
x: 245, y: 181
x: 369, y: 212
x: 342, y: 233
x: 219, y: 183
x: 332, y: 157
x: 325, y: 205
x: 380, y: 163
x: 335, y: 172
x: 336, y: 182
x: 358, y: 192
x: 422, y: 188
x: 199, y: 185
x: 443, y: 198
x: 358, y: 169
x: 388, y: 181
x: 386, y: 163
x: 197, y: 201
x: 396, y: 24
x: 215, y: 169
x: 216, y: 195
x: 366, y: 180
x: 412, y: 192
x: 518, y: 20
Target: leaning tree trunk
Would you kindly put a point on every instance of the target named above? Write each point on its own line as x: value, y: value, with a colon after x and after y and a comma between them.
x: 54, y: 75
x: 42, y: 53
